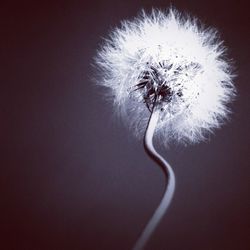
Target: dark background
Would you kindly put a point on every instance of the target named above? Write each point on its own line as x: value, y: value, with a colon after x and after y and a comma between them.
x: 71, y: 175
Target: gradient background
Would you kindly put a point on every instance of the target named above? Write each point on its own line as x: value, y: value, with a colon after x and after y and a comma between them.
x: 71, y: 177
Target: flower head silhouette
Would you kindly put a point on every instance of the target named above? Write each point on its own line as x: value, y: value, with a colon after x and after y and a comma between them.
x: 174, y: 58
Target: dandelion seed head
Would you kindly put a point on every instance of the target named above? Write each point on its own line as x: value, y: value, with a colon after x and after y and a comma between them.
x: 171, y: 57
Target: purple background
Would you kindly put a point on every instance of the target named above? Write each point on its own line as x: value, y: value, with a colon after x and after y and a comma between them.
x: 72, y: 177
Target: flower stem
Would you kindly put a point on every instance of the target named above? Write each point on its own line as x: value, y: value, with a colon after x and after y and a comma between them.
x: 170, y: 186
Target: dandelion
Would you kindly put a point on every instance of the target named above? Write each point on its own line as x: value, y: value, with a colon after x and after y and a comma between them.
x: 169, y: 77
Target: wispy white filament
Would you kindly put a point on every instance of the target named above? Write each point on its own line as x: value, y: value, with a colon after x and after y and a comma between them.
x: 187, y: 59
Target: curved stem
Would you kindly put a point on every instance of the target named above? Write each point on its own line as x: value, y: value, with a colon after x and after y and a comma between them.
x: 169, y: 191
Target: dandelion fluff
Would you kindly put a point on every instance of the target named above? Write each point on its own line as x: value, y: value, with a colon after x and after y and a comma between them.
x: 168, y: 76
x: 173, y: 55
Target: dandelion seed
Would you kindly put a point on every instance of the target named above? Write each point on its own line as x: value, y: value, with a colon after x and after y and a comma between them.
x: 168, y: 76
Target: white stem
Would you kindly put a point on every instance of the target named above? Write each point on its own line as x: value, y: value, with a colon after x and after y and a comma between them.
x: 170, y: 187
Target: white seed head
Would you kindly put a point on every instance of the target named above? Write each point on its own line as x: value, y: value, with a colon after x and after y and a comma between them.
x: 174, y: 59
